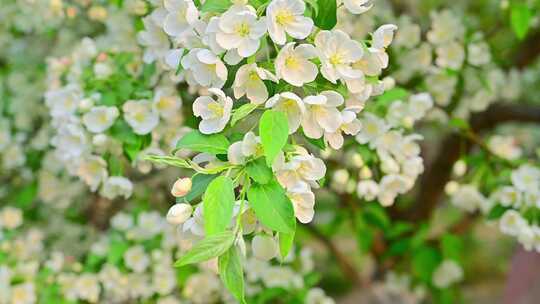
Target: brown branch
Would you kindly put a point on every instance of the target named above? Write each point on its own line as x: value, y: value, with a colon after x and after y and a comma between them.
x: 528, y: 51
x: 438, y: 173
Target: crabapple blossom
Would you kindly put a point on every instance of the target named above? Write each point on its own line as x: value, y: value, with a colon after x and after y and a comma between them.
x: 215, y: 113
x: 287, y: 17
x: 292, y: 64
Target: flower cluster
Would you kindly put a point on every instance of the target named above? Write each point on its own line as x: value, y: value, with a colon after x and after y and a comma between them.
x: 132, y: 261
x: 457, y: 67
x: 108, y: 109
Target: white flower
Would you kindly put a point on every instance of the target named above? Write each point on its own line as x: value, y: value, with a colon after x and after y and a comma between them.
x: 478, y: 53
x: 450, y: 55
x: 264, y: 247
x: 287, y: 16
x: 291, y: 105
x: 526, y: 178
x: 64, y: 101
x: 215, y: 113
x: 383, y: 36
x: 10, y: 218
x: 293, y: 65
x: 303, y: 201
x: 122, y: 221
x: 367, y: 189
x: 447, y: 273
x: 240, y: 150
x: 166, y: 102
x: 390, y: 186
x: 316, y: 295
x: 350, y: 125
x: 181, y: 15
x: 301, y: 169
x: 445, y: 27
x: 141, y: 116
x: 239, y: 29
x: 372, y: 128
x: 117, y: 186
x: 372, y: 62
x: 337, y: 52
x: 206, y: 68
x: 322, y: 114
x: 100, y: 118
x: 508, y: 196
x: 23, y: 294
x: 504, y: 146
x: 181, y: 187
x: 179, y: 213
x: 136, y: 259
x: 93, y: 171
x: 468, y: 198
x: 154, y: 40
x: 358, y: 6
x: 249, y: 81
x: 87, y: 287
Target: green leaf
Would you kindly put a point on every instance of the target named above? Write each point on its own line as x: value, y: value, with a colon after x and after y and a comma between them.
x: 451, y: 247
x: 198, y: 142
x: 26, y: 195
x: 199, y: 183
x: 273, y: 130
x: 232, y: 273
x: 313, y: 4
x: 272, y: 207
x: 215, y: 6
x: 242, y: 112
x: 218, y: 203
x: 327, y: 14
x: 116, y: 252
x: 496, y: 212
x: 286, y: 240
x: 424, y: 262
x: 459, y: 123
x: 210, y: 247
x: 375, y: 215
x: 259, y: 171
x: 520, y: 18
x: 168, y: 160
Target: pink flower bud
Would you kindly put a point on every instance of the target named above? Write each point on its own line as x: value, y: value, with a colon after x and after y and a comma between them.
x: 181, y: 187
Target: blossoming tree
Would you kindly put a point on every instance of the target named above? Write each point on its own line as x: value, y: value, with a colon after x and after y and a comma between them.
x: 289, y: 140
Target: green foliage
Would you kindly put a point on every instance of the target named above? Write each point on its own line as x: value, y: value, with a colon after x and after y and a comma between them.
x: 424, y: 261
x: 273, y: 130
x: 210, y: 247
x: 520, y: 19
x: 218, y: 202
x: 198, y: 142
x: 231, y: 273
x: 242, y: 112
x: 215, y: 6
x: 286, y: 241
x: 132, y: 143
x: 451, y: 247
x: 259, y: 171
x: 326, y: 17
x: 272, y: 207
x: 199, y: 184
x: 116, y: 251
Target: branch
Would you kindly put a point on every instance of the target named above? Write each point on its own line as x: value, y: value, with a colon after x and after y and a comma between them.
x: 438, y: 173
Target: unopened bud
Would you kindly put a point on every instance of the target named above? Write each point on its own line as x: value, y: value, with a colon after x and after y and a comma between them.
x: 460, y: 167
x: 451, y: 187
x: 365, y: 173
x: 264, y: 247
x: 181, y: 187
x: 179, y: 213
